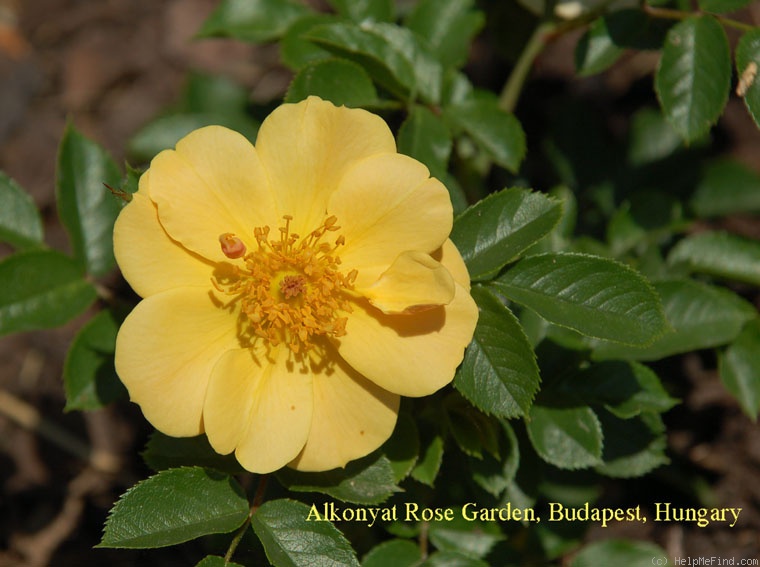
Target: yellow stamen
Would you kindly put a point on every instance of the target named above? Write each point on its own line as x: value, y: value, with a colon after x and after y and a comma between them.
x: 290, y: 289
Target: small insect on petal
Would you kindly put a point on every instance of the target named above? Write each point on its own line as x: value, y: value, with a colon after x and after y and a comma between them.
x: 747, y: 78
x: 232, y: 246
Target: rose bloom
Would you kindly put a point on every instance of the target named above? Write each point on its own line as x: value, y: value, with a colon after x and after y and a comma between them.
x: 292, y: 291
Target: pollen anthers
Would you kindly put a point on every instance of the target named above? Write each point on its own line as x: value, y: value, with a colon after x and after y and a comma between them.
x: 290, y: 288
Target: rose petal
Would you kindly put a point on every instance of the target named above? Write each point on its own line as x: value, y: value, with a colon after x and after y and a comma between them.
x: 352, y: 417
x: 149, y: 260
x: 212, y: 184
x: 449, y: 256
x: 414, y: 354
x: 259, y: 406
x: 165, y: 351
x: 413, y: 282
x: 385, y: 205
x: 306, y: 148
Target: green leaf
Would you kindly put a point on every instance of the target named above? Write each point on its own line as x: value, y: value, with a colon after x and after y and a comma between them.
x: 252, y: 20
x: 456, y: 193
x: 497, y: 132
x: 569, y: 438
x: 452, y: 559
x: 365, y: 481
x: 595, y: 296
x: 719, y: 254
x: 497, y: 229
x: 495, y: 475
x: 648, y: 218
x: 747, y: 57
x: 651, y: 138
x: 216, y: 561
x: 739, y: 368
x: 212, y: 94
x: 41, y: 289
x: 471, y: 537
x: 163, y: 452
x: 694, y: 75
x: 620, y: 552
x: 206, y: 100
x: 425, y: 137
x: 89, y: 376
x: 403, y: 529
x: 361, y: 10
x: 338, y: 80
x: 623, y: 232
x: 166, y: 131
x: 403, y: 447
x: 429, y: 463
x: 635, y: 29
x: 625, y: 388
x: 561, y: 236
x: 86, y: 207
x: 396, y: 552
x: 606, y: 39
x: 632, y: 447
x: 392, y: 56
x: 447, y: 26
x: 175, y: 506
x: 456, y: 87
x: 291, y: 539
x: 523, y: 490
x: 596, y: 51
x: 20, y: 222
x: 560, y: 539
x: 499, y: 374
x: 472, y: 430
x: 727, y: 187
x: 295, y: 50
x: 701, y: 316
x: 722, y: 5
x: 131, y: 181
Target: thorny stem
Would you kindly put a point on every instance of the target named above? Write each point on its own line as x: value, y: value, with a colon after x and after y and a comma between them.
x: 258, y: 498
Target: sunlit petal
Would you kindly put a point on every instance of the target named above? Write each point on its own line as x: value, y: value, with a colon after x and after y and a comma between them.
x: 212, y: 184
x: 410, y: 355
x: 387, y: 204
x: 352, y: 417
x: 165, y: 351
x: 412, y: 283
x: 259, y: 406
x: 149, y: 260
x: 449, y: 256
x: 306, y: 149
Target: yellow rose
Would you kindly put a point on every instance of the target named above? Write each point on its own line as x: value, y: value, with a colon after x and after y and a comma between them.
x: 292, y: 291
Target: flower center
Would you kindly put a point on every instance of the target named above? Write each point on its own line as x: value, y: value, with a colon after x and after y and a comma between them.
x: 290, y: 286
x: 290, y: 289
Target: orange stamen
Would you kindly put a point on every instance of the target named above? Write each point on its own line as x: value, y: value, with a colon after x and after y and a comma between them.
x: 290, y: 289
